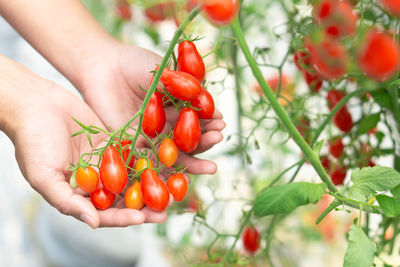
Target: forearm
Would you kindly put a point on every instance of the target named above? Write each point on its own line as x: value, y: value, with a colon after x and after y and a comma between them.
x: 63, y: 31
x: 15, y: 93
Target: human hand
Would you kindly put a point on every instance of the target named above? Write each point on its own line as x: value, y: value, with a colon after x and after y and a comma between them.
x: 44, y: 149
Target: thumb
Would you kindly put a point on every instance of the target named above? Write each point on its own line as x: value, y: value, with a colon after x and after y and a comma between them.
x: 58, y: 193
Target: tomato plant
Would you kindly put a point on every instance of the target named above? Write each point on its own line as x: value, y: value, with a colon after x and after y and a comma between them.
x: 168, y: 152
x: 113, y: 173
x: 102, y: 198
x: 251, y: 239
x: 177, y: 186
x: 187, y: 131
x: 87, y: 179
x: 190, y: 61
x: 154, y: 116
x: 154, y: 191
x: 133, y: 197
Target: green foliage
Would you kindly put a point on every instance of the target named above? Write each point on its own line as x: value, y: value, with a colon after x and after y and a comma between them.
x: 360, y: 251
x: 283, y: 199
x: 367, y: 181
x: 390, y: 207
x: 368, y: 122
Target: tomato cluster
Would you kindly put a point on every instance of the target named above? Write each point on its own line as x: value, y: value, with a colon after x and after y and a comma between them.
x: 182, y: 88
x: 325, y: 57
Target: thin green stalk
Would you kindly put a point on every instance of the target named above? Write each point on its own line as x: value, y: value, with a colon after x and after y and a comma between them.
x: 308, y: 152
x: 157, y: 77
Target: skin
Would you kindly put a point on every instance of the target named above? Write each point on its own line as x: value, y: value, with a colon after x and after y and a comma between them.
x: 101, y: 69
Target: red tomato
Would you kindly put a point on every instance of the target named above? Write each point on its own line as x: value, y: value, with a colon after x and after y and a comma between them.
x: 181, y: 85
x: 123, y: 10
x: 338, y: 174
x: 177, y: 186
x: 326, y: 163
x: 251, y: 239
x: 328, y: 57
x: 125, y: 144
x: 334, y: 97
x: 336, y: 17
x: 113, y: 173
x: 393, y: 6
x: 303, y: 63
x: 378, y: 56
x: 187, y: 131
x: 102, y: 198
x: 133, y: 197
x: 190, y: 61
x: 336, y: 147
x: 154, y: 191
x: 154, y: 116
x: 205, y: 105
x: 87, y: 179
x: 160, y: 12
x: 343, y: 120
x: 220, y: 12
x: 168, y: 152
x: 303, y: 126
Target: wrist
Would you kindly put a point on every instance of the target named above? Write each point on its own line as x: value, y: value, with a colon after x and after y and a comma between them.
x: 18, y: 92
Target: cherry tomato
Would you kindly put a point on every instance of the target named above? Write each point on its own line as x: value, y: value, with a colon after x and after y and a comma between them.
x: 393, y: 6
x: 326, y: 163
x: 251, y: 239
x: 113, y: 173
x: 123, y: 10
x: 343, y: 120
x: 125, y: 144
x: 379, y: 55
x: 220, y: 12
x: 336, y: 147
x: 168, y: 152
x: 154, y: 116
x: 133, y: 197
x: 328, y: 57
x: 205, y: 105
x: 181, y: 85
x: 102, y: 198
x: 154, y: 191
x: 142, y: 164
x: 303, y: 63
x: 177, y: 186
x: 160, y: 12
x: 190, y: 61
x: 338, y: 174
x: 187, y: 131
x: 303, y: 126
x: 87, y: 179
x: 334, y: 97
x: 336, y: 17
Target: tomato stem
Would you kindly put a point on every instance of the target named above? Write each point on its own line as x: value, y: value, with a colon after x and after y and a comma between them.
x: 306, y: 149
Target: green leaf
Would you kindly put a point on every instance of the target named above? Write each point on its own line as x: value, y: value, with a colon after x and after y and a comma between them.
x: 396, y: 193
x: 360, y: 251
x: 283, y: 199
x: 390, y: 207
x: 368, y: 122
x: 367, y: 181
x: 382, y: 98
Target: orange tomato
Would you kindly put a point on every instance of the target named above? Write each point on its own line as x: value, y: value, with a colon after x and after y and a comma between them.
x: 168, y: 152
x: 133, y: 197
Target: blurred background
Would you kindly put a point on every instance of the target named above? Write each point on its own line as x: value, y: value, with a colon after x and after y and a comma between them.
x: 34, y: 234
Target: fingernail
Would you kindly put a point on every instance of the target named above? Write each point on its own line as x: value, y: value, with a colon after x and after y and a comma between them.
x: 88, y: 220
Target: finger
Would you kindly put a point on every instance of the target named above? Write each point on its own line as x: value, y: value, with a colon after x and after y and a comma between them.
x: 60, y: 195
x: 116, y: 217
x: 213, y: 125
x: 197, y: 166
x: 208, y: 140
x: 153, y: 216
x: 217, y: 115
